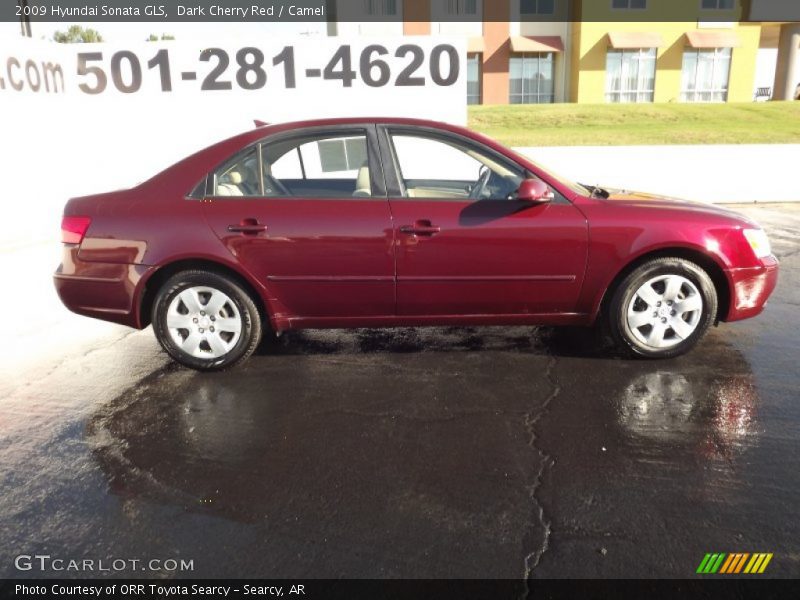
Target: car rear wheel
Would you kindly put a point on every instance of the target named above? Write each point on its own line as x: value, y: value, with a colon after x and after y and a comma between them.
x: 662, y: 308
x: 205, y: 320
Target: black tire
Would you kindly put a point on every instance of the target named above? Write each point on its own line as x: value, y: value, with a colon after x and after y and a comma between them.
x: 617, y: 309
x: 249, y: 335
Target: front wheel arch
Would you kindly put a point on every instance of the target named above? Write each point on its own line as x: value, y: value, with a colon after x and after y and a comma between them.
x: 707, y: 263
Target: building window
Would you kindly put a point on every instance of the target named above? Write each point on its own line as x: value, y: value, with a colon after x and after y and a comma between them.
x: 631, y: 75
x: 531, y: 78
x: 536, y: 7
x: 716, y: 4
x: 623, y: 4
x: 461, y: 7
x: 473, y: 79
x: 381, y: 7
x: 704, y: 76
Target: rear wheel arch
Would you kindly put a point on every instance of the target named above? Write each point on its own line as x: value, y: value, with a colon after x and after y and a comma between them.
x: 154, y: 283
x: 701, y: 259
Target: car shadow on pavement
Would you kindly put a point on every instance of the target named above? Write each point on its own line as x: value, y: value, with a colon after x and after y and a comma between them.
x: 578, y: 342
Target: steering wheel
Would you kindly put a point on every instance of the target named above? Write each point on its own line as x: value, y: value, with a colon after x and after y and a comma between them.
x: 480, y: 186
x: 271, y: 182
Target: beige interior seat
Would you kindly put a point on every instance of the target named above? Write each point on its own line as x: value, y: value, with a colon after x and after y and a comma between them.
x: 363, y: 187
x: 230, y: 184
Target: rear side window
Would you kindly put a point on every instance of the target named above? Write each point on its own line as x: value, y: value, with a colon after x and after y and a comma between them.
x: 318, y: 166
x: 239, y: 177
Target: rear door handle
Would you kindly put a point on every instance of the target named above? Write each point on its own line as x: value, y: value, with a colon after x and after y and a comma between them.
x: 421, y: 227
x: 248, y: 227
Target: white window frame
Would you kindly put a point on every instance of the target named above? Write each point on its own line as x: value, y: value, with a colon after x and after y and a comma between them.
x: 642, y: 54
x: 694, y: 95
x: 523, y: 96
x: 479, y: 96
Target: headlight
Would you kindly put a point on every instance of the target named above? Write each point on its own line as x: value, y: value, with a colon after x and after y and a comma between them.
x: 758, y: 242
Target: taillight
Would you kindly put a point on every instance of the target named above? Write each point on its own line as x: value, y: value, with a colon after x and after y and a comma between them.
x: 74, y: 228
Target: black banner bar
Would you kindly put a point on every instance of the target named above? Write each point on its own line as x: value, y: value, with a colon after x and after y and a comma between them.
x: 188, y: 11
x: 730, y: 588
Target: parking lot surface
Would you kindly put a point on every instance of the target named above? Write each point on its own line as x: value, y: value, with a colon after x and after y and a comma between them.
x: 446, y: 452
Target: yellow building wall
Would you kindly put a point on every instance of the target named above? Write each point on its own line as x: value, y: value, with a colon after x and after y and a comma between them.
x: 590, y: 46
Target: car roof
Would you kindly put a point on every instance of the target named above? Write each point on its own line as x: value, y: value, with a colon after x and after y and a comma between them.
x: 289, y: 125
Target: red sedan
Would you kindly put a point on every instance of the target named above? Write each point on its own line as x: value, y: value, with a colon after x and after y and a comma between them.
x: 398, y: 222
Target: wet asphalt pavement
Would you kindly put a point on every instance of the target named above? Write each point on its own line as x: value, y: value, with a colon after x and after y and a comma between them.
x: 450, y: 452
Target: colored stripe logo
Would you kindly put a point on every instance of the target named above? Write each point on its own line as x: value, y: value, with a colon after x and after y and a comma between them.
x: 734, y: 563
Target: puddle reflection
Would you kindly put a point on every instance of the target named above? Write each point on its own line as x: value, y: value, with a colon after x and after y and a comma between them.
x: 291, y: 425
x: 714, y: 410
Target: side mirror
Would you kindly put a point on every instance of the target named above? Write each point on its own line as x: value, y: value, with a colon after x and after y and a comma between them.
x: 534, y: 190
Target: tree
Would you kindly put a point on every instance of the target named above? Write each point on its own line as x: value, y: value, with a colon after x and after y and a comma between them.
x: 164, y: 37
x: 77, y: 34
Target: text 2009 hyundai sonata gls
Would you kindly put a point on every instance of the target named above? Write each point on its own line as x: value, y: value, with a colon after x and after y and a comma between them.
x: 395, y: 222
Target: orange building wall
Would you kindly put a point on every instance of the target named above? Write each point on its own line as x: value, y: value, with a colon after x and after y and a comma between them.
x: 416, y: 17
x: 497, y: 51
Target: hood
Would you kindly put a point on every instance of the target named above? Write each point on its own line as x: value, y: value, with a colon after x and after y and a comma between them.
x: 646, y: 200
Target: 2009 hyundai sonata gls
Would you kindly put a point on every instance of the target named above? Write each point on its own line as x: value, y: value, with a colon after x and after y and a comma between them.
x: 394, y: 222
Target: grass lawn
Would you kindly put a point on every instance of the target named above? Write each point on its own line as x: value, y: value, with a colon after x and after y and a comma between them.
x: 635, y: 124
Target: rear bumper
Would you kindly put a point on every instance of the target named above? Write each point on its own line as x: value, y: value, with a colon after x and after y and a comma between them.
x: 101, y: 290
x: 750, y: 289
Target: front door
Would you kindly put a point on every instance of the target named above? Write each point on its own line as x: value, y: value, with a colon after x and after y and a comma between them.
x: 307, y: 215
x: 464, y: 245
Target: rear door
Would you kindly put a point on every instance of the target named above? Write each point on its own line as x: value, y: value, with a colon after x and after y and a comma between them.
x: 464, y: 245
x: 307, y: 215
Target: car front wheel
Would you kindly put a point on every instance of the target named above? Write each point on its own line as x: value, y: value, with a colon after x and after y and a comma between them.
x: 205, y: 320
x: 662, y: 308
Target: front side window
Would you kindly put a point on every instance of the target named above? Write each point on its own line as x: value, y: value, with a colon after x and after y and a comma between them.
x: 704, y: 75
x: 531, y: 78
x: 536, y: 7
x: 474, y: 79
x: 434, y: 167
x: 631, y: 75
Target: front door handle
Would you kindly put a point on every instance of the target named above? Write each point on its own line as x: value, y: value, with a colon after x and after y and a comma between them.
x: 248, y: 227
x: 421, y: 227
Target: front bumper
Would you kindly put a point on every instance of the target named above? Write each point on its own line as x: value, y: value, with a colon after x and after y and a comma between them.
x: 750, y: 289
x: 101, y: 290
